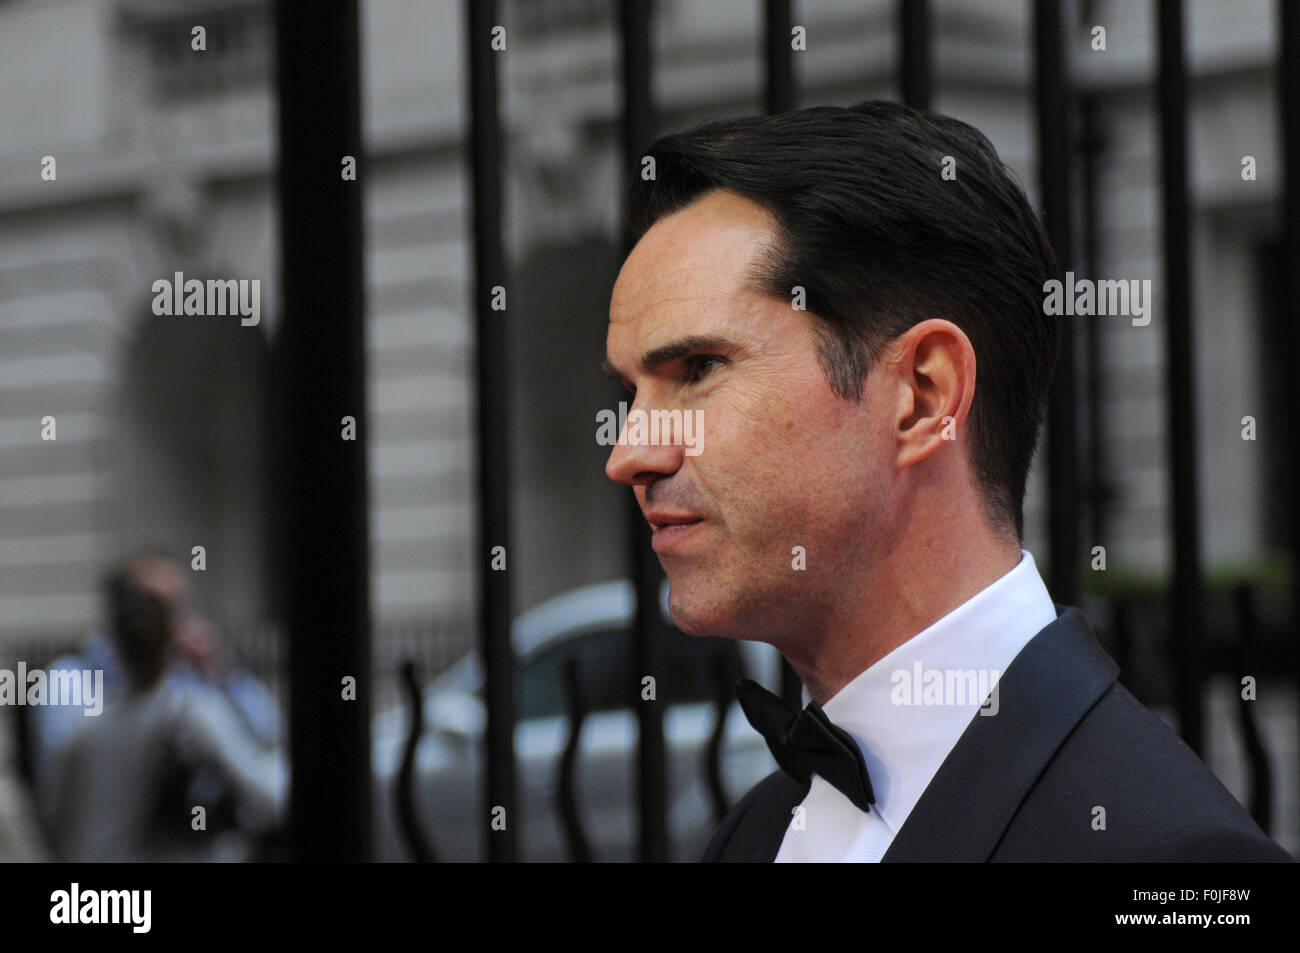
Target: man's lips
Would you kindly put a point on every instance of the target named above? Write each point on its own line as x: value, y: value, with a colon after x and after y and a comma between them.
x: 658, y: 520
x: 671, y: 529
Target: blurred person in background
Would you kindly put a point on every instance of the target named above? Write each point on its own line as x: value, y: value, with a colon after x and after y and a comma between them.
x: 131, y: 781
x: 197, y: 663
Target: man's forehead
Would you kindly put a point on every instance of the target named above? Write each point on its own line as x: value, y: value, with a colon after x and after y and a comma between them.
x: 697, y: 261
x: 738, y: 313
x: 691, y: 289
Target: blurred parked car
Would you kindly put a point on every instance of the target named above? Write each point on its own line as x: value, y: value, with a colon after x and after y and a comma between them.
x: 592, y: 624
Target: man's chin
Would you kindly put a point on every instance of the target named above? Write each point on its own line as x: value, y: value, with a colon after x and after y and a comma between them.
x: 699, y: 615
x: 680, y: 609
x: 686, y: 623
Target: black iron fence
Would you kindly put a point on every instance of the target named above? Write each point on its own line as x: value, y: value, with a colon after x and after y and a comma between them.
x: 326, y: 502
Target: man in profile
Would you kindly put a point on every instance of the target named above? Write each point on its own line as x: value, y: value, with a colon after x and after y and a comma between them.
x: 851, y: 299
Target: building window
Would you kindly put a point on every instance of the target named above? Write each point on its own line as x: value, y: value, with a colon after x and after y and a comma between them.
x: 538, y: 17
x: 237, y: 38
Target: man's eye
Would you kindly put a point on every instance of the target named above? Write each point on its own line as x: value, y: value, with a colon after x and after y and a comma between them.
x: 701, y: 364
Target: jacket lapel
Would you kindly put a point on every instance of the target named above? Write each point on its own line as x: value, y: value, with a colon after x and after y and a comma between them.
x: 1047, y: 689
x: 771, y: 818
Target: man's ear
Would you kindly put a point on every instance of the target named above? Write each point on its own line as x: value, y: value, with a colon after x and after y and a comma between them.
x: 935, y: 366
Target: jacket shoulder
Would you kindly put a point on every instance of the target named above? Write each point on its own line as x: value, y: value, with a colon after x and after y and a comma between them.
x: 1125, y: 787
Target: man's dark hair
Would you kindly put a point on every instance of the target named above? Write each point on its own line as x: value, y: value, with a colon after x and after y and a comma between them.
x: 881, y: 240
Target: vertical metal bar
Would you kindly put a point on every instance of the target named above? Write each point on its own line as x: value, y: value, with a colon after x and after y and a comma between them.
x: 492, y: 409
x: 1100, y: 490
x: 638, y: 127
x: 321, y: 355
x: 408, y: 816
x: 914, y: 76
x: 1185, y: 593
x: 1054, y: 106
x: 567, y: 796
x: 1247, y: 659
x: 1288, y: 70
x: 778, y: 90
x: 778, y: 96
x: 727, y: 668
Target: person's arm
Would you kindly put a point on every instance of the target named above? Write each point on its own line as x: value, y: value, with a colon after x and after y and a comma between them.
x: 210, y: 732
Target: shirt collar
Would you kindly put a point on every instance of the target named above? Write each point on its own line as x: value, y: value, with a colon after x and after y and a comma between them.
x: 909, y: 709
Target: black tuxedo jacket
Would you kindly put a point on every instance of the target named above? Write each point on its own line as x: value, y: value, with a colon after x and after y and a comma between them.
x: 1022, y: 785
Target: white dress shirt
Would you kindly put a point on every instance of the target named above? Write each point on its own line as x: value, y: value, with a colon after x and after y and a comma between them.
x: 909, y: 709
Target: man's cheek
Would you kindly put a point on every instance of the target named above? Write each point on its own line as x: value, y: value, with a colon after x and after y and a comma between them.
x: 770, y: 530
x: 765, y: 411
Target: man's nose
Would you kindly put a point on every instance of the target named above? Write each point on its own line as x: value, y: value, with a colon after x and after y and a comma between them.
x: 638, y: 461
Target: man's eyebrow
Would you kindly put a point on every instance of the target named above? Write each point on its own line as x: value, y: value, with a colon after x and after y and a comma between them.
x: 672, y: 351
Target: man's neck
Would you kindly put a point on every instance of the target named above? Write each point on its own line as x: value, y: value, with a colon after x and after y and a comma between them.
x: 902, y: 601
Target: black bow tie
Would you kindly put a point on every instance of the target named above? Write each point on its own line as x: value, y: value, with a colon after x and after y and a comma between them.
x: 806, y: 741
